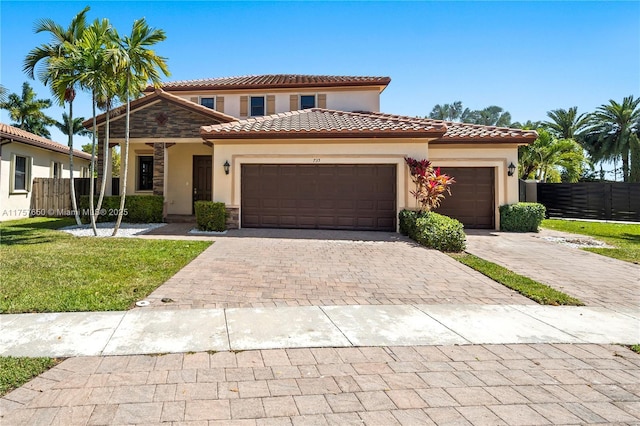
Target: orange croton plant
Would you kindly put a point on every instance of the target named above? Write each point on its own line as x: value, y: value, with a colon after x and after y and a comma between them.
x: 431, y: 184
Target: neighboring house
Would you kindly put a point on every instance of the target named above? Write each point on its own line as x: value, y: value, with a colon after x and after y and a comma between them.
x: 304, y: 151
x: 25, y: 156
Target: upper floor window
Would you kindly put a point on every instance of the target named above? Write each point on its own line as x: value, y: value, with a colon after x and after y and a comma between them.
x: 208, y: 102
x: 56, y: 170
x: 257, y: 105
x: 307, y: 101
x: 21, y: 173
x: 145, y: 173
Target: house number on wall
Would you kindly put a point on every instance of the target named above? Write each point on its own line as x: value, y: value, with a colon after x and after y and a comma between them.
x: 316, y: 160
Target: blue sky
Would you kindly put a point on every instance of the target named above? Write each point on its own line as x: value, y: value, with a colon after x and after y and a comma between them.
x: 527, y: 57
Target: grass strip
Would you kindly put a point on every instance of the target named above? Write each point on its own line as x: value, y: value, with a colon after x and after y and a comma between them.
x: 635, y: 348
x: 44, y: 270
x: 16, y: 371
x: 624, y: 237
x: 538, y: 292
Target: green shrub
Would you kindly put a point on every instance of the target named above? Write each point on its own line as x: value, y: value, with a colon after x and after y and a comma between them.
x: 211, y: 216
x: 137, y: 208
x: 521, y: 217
x: 433, y: 230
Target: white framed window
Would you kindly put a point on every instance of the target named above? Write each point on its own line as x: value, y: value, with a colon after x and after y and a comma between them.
x: 257, y: 106
x: 209, y: 102
x: 56, y: 170
x: 307, y: 101
x: 20, y: 173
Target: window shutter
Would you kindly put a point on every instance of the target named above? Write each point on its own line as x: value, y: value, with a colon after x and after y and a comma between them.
x: 244, y: 106
x: 195, y: 100
x: 293, y: 102
x: 322, y: 100
x: 220, y: 103
x: 271, y: 104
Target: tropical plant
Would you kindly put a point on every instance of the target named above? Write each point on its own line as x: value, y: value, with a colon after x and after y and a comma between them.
x: 490, y: 116
x: 527, y: 125
x: 3, y: 93
x: 430, y: 183
x: 566, y: 124
x: 449, y: 112
x: 56, y: 49
x: 610, y: 134
x: 549, y: 159
x: 74, y: 126
x: 26, y: 111
x: 138, y: 66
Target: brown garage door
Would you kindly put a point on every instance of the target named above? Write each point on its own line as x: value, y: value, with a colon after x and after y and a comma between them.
x: 332, y: 196
x: 472, y: 196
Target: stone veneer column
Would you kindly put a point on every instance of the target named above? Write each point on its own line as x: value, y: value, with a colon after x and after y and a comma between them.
x: 158, y: 169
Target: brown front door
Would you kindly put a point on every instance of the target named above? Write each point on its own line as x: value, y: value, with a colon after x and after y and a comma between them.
x: 201, y: 179
x: 331, y: 196
x: 472, y: 199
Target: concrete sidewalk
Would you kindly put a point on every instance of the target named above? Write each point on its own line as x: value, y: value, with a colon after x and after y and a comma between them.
x: 174, y: 331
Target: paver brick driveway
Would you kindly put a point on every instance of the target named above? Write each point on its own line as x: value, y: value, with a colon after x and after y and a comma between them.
x: 257, y: 268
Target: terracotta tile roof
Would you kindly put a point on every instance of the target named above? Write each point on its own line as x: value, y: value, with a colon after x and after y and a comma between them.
x: 161, y: 94
x: 274, y: 81
x: 14, y: 134
x: 319, y: 123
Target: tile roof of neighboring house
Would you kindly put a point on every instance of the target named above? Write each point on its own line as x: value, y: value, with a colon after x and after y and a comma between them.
x: 475, y: 133
x: 274, y: 81
x: 156, y: 95
x: 319, y: 123
x: 14, y: 134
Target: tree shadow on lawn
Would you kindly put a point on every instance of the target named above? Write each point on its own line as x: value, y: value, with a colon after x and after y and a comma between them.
x: 30, y: 231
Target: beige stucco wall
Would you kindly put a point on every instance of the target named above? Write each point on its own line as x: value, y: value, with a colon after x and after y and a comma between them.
x: 16, y: 205
x: 343, y: 100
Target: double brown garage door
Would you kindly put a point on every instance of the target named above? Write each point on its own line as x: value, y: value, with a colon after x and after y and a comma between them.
x: 332, y: 196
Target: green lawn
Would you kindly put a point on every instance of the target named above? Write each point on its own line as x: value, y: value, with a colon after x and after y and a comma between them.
x: 538, y: 292
x: 15, y: 372
x: 44, y: 270
x: 624, y: 237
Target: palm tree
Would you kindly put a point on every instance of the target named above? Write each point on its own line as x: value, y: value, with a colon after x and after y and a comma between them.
x: 549, y: 159
x: 42, y: 55
x: 26, y: 111
x: 449, y: 112
x: 611, y: 131
x: 566, y: 124
x: 490, y: 116
x: 139, y: 65
x: 3, y: 93
x: 76, y: 126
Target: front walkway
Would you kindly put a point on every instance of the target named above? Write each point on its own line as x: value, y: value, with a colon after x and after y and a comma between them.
x: 594, y: 279
x: 268, y: 268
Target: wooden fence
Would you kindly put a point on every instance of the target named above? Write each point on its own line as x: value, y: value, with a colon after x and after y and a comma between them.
x: 52, y: 197
x: 591, y: 200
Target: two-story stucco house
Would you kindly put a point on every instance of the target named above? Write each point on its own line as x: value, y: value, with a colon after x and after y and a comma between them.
x: 24, y: 157
x: 307, y: 151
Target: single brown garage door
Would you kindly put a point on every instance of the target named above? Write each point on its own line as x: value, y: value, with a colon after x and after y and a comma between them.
x: 332, y: 196
x: 472, y: 196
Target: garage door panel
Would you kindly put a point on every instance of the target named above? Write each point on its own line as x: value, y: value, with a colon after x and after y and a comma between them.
x: 319, y: 196
x: 472, y: 197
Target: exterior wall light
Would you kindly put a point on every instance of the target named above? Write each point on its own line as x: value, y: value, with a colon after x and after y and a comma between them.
x: 512, y: 169
x: 227, y: 166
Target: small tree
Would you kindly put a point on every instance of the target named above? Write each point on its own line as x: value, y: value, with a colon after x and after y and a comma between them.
x: 431, y: 184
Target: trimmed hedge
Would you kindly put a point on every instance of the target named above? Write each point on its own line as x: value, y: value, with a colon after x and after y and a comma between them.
x: 211, y: 216
x: 433, y: 230
x: 521, y: 217
x: 137, y: 208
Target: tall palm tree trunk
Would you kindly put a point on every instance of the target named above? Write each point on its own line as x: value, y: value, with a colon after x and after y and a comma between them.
x: 125, y: 164
x: 93, y: 166
x: 74, y: 203
x: 105, y: 162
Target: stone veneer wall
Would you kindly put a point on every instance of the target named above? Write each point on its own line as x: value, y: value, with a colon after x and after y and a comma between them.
x: 158, y: 169
x: 233, y: 217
